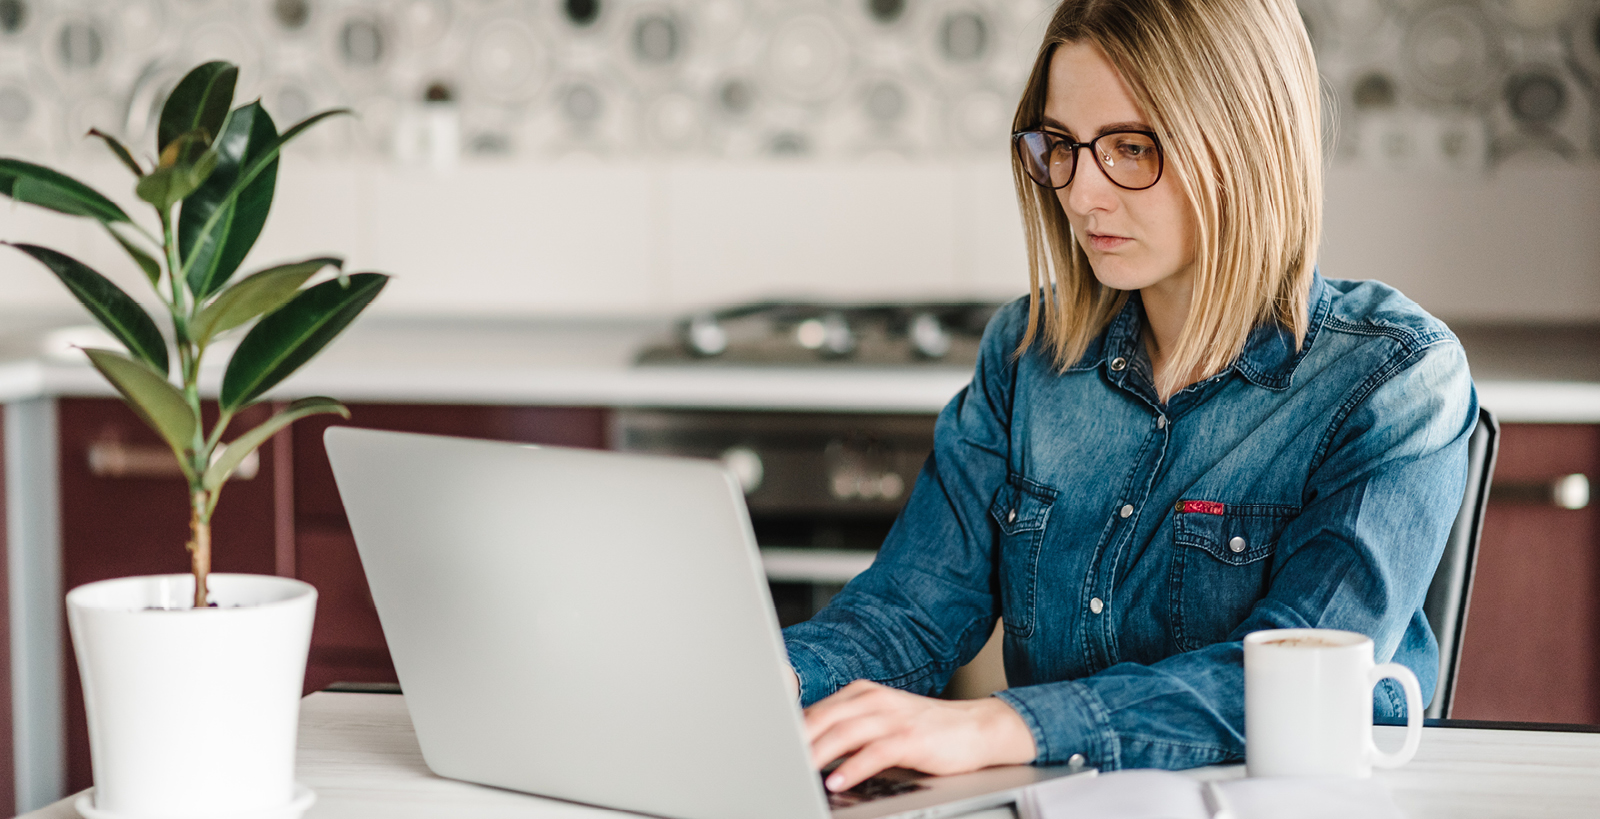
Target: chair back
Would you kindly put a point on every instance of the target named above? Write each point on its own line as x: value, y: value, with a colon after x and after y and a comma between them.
x: 1451, y: 590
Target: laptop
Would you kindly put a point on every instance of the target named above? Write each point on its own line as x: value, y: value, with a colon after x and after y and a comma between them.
x: 596, y: 627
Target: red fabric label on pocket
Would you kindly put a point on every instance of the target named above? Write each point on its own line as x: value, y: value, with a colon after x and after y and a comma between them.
x: 1202, y: 507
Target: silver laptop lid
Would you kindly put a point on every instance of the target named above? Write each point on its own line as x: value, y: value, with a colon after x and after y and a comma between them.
x: 586, y: 625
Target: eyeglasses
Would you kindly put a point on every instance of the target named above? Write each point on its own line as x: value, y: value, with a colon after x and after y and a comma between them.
x: 1130, y: 159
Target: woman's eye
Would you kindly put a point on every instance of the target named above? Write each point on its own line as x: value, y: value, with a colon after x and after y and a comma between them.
x: 1132, y: 150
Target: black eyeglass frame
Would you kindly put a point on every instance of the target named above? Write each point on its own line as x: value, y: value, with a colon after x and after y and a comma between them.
x: 1017, y: 146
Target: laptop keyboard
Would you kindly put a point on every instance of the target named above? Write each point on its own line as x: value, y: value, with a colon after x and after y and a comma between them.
x: 875, y: 787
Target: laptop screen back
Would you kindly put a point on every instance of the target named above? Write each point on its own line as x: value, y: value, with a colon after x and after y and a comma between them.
x: 586, y: 625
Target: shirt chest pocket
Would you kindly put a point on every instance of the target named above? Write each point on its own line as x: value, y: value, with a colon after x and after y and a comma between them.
x: 1020, y: 510
x: 1221, y: 566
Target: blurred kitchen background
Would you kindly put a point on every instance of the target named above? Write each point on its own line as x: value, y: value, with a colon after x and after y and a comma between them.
x: 625, y: 157
x: 765, y: 231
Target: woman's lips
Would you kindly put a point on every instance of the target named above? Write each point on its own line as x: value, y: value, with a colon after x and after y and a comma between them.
x: 1104, y: 242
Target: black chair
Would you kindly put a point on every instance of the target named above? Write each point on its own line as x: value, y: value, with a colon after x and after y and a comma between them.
x: 1451, y: 590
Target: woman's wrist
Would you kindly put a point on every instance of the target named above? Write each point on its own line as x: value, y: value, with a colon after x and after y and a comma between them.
x: 1012, y: 741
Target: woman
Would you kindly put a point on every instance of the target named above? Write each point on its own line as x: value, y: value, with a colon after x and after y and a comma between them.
x: 1184, y: 435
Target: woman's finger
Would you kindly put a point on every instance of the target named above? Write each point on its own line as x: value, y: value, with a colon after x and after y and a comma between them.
x: 878, y: 756
x: 848, y: 736
x: 849, y: 702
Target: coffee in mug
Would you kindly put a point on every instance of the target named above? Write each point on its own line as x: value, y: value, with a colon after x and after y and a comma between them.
x: 1308, y: 704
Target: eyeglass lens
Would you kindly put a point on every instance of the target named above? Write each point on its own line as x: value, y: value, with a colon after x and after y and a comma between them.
x: 1129, y: 159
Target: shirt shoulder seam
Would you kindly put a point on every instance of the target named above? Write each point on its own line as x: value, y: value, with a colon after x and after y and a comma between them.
x: 1411, y: 350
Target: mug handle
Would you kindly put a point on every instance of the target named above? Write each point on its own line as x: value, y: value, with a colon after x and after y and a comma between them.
x: 1408, y: 681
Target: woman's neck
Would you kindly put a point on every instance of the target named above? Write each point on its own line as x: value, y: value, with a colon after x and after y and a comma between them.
x: 1166, y: 308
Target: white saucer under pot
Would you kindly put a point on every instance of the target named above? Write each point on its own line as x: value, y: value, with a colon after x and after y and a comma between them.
x: 193, y: 712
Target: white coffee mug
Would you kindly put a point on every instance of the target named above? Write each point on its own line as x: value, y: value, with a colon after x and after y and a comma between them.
x: 1308, y: 704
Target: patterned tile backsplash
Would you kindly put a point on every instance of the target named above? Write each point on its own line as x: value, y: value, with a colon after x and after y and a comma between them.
x: 540, y: 78
x: 1417, y: 82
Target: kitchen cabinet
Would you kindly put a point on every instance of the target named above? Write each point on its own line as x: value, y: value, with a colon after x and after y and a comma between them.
x: 1531, y: 651
x: 347, y: 641
x: 124, y: 513
x: 127, y: 513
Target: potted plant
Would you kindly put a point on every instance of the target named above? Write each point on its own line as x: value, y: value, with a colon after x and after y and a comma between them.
x: 192, y: 682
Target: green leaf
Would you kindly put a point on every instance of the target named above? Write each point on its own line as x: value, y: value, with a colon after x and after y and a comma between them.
x: 114, y: 309
x: 165, y: 187
x: 253, y: 169
x: 119, y: 149
x: 211, y: 259
x: 38, y: 185
x: 288, y: 338
x: 152, y: 270
x: 235, y: 453
x: 200, y: 101
x: 152, y: 397
x: 255, y: 295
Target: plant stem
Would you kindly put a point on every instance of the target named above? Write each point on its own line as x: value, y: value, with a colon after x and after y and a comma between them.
x: 200, y: 545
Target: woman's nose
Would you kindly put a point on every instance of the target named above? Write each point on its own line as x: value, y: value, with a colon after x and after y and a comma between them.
x: 1090, y: 189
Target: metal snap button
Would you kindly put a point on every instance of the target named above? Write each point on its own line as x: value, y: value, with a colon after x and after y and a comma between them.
x: 1161, y: 422
x: 1119, y: 364
x: 1011, y: 517
x: 1096, y: 605
x: 1126, y: 511
x: 1236, y: 545
x: 1077, y: 760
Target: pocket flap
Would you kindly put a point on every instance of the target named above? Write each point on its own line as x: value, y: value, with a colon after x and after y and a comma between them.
x: 1021, y: 505
x: 1235, y: 534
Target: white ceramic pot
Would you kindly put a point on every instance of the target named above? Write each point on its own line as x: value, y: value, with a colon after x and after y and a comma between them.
x: 193, y: 712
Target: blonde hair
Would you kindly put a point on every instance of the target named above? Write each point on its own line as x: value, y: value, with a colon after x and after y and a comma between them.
x: 1231, y: 88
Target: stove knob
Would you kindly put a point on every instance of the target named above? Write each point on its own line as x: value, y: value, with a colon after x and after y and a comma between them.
x: 829, y: 335
x: 838, y: 340
x: 929, y: 337
x: 745, y: 464
x: 705, y: 337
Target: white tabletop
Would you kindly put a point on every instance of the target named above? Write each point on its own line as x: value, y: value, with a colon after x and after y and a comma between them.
x: 358, y: 752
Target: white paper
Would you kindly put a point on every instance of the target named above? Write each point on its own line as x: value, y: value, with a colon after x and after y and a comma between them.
x: 1149, y: 794
x: 1295, y: 798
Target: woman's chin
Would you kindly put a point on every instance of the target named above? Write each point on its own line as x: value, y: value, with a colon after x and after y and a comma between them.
x: 1117, y: 275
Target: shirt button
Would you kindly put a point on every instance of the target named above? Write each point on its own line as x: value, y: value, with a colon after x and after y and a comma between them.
x: 1126, y: 510
x: 1011, y: 516
x: 1077, y: 760
x: 1119, y: 364
x: 1096, y: 605
x: 1236, y: 545
x: 1161, y: 422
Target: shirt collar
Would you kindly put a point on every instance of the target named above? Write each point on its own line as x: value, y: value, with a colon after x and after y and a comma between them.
x: 1269, y: 358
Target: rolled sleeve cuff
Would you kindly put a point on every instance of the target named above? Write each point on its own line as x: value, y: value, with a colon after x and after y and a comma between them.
x: 1065, y: 719
x: 817, y: 679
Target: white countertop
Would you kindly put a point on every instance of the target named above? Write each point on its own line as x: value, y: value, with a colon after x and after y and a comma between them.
x: 590, y: 363
x: 360, y: 754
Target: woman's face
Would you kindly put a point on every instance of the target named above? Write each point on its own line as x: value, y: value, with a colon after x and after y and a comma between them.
x: 1134, y: 239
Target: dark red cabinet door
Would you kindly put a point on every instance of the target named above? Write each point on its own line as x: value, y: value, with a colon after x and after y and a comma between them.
x: 287, y: 519
x: 115, y: 526
x: 347, y: 642
x: 1532, y: 646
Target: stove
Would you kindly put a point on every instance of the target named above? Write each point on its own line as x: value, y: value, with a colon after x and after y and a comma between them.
x: 822, y: 488
x: 938, y: 334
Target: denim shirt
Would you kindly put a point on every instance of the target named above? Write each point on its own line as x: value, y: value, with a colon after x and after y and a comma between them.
x: 1130, y: 545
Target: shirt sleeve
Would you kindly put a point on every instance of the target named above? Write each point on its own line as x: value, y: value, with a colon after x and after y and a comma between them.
x: 1358, y: 557
x: 929, y: 601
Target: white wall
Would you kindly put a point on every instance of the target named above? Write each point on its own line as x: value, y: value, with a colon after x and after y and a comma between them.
x: 582, y: 239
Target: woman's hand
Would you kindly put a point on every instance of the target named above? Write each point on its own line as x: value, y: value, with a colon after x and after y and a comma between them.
x: 887, y: 728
